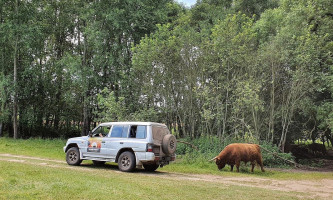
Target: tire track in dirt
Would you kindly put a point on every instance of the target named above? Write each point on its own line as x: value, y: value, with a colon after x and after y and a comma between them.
x: 317, y: 189
x: 30, y: 157
x: 29, y: 160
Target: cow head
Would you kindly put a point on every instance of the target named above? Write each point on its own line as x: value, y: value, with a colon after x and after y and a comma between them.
x: 219, y: 162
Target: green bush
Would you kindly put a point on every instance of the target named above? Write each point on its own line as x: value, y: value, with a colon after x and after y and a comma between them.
x: 271, y: 160
x: 209, y: 147
x: 205, y: 144
x: 311, y: 162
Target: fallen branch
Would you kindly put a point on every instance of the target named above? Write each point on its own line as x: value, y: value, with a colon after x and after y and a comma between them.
x: 194, y: 147
x: 286, y: 160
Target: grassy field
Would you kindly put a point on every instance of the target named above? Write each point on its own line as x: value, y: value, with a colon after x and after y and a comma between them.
x: 35, y: 182
x: 38, y: 179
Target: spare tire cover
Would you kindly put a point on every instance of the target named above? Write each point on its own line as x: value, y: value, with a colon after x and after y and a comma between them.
x: 169, y: 144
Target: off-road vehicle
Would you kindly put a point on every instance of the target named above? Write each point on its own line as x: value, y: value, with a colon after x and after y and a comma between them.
x: 130, y: 144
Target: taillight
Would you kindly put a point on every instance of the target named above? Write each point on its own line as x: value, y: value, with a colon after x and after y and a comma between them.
x: 149, y: 148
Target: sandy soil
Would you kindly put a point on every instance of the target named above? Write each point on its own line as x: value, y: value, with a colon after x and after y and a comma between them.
x: 316, y: 189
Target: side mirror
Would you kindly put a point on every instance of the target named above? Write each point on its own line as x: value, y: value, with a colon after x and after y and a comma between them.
x: 89, y: 134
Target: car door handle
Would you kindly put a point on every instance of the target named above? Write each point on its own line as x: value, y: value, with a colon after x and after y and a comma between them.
x: 121, y: 143
x: 103, y: 141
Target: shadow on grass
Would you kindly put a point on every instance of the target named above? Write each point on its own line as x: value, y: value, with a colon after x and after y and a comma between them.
x: 244, y: 170
x: 114, y: 167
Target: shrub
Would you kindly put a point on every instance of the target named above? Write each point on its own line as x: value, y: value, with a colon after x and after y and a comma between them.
x: 271, y: 160
x: 210, y: 147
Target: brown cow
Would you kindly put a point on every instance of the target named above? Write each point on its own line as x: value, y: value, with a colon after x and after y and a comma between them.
x: 233, y: 154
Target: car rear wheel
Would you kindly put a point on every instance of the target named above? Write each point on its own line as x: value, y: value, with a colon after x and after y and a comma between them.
x: 73, y: 156
x: 150, y: 167
x: 126, y: 161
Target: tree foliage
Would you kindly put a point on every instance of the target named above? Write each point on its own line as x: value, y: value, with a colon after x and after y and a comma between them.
x: 255, y: 70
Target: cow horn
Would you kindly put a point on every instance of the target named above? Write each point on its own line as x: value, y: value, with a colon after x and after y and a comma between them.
x: 213, y: 159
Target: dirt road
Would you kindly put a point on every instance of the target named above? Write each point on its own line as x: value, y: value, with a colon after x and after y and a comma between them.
x: 317, y: 189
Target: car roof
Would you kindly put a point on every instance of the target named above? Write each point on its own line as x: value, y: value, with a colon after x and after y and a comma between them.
x: 132, y: 123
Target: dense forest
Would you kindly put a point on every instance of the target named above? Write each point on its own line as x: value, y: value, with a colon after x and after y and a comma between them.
x: 255, y: 69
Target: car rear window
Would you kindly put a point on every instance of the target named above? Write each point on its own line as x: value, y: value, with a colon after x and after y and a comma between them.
x: 141, y: 132
x: 138, y: 132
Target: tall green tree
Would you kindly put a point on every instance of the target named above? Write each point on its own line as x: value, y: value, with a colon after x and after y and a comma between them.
x: 17, y: 37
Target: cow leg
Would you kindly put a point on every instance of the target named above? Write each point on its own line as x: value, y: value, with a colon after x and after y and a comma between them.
x: 259, y: 161
x: 237, y: 165
x: 231, y: 167
x: 252, y: 163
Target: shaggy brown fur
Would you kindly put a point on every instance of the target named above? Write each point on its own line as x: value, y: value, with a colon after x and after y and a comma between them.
x: 233, y: 154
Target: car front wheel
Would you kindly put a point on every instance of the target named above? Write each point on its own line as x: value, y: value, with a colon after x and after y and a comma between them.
x: 126, y: 161
x: 73, y: 156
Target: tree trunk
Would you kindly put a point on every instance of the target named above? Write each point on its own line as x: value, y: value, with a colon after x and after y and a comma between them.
x: 328, y: 134
x: 225, y: 115
x: 272, y: 108
x: 1, y: 125
x: 255, y: 121
x: 283, y: 134
x: 57, y: 113
x: 86, y: 113
x: 179, y: 126
x: 15, y: 121
x: 86, y: 123
x: 2, y: 70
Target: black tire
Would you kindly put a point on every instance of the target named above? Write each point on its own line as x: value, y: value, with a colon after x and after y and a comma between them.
x: 73, y: 156
x: 169, y: 144
x: 126, y: 161
x: 150, y: 167
x: 98, y: 163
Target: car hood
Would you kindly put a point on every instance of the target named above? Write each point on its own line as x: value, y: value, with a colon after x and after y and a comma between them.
x: 78, y: 138
x: 83, y: 138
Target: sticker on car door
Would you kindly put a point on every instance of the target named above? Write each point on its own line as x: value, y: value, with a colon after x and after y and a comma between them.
x: 94, y: 144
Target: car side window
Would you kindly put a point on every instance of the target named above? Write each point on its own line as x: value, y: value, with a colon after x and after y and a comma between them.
x: 125, y: 132
x: 119, y: 131
x: 138, y: 132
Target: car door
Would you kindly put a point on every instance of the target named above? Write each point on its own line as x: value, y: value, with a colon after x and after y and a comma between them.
x: 116, y: 140
x: 137, y: 138
x: 96, y: 144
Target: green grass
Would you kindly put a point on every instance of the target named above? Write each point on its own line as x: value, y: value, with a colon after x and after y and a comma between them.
x: 32, y: 180
x: 19, y: 181
x: 34, y: 147
x: 53, y: 149
x: 271, y: 173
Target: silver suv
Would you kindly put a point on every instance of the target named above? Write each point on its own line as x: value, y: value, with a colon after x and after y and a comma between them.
x: 130, y: 144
